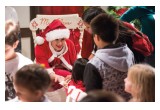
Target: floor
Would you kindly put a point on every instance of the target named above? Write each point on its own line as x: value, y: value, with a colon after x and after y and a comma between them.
x: 57, y: 96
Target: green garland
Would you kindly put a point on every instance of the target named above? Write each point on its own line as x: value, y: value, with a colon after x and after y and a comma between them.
x: 112, y: 11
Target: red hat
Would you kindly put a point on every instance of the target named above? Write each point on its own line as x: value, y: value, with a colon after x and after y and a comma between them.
x: 55, y: 30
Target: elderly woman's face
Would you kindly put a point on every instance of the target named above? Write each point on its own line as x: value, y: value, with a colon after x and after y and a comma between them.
x: 58, y: 44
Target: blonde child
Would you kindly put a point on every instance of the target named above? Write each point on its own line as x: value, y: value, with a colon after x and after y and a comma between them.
x: 140, y: 83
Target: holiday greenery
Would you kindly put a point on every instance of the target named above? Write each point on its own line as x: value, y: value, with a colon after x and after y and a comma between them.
x: 117, y: 11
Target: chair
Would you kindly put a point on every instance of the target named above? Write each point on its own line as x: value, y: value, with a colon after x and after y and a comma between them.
x: 71, y: 21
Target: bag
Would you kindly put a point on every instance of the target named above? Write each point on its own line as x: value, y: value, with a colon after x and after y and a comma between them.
x: 142, y: 44
x: 140, y: 41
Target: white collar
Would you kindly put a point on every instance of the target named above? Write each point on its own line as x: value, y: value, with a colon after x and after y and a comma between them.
x: 58, y: 54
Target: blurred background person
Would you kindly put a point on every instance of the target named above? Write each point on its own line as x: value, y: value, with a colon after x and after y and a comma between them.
x: 145, y: 14
x: 13, y: 60
x: 102, y: 96
x: 11, y: 14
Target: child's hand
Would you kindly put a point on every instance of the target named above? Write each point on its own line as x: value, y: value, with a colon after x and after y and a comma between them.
x: 65, y: 82
x: 68, y: 78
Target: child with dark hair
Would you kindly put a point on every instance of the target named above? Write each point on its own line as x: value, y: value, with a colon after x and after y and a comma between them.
x: 13, y: 60
x: 108, y: 68
x: 126, y: 32
x: 78, y: 72
x: 102, y: 96
x: 30, y: 83
x: 89, y: 14
x: 75, y: 86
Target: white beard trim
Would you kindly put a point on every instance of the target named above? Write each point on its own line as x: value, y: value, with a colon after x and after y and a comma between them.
x: 57, y: 54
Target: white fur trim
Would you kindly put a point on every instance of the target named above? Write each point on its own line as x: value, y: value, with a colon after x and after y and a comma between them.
x: 39, y: 40
x: 57, y: 34
x: 50, y: 70
x: 52, y: 58
x: 66, y: 63
x: 57, y: 54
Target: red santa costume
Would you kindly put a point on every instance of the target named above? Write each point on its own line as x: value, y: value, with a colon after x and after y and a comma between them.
x: 58, y: 62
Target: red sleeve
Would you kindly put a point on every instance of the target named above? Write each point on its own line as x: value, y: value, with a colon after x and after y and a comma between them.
x: 41, y: 55
x: 72, y: 51
x: 74, y: 37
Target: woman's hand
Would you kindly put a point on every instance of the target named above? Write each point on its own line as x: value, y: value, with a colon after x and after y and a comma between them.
x: 54, y: 77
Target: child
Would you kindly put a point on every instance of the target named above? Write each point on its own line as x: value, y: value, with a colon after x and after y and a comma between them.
x: 30, y: 83
x: 13, y: 60
x: 11, y: 14
x: 102, y: 96
x: 140, y: 83
x: 108, y: 68
x: 126, y: 31
x: 87, y: 16
x: 76, y: 89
